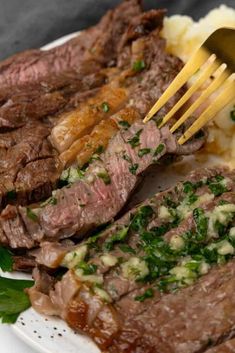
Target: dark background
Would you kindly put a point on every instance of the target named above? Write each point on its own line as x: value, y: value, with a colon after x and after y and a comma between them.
x: 33, y: 23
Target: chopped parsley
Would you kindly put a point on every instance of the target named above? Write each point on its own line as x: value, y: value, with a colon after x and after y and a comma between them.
x: 72, y: 174
x: 116, y: 238
x: 217, y: 188
x: 201, y: 222
x: 141, y: 218
x: 127, y: 249
x: 169, y: 202
x: 31, y: 214
x: 124, y: 124
x: 189, y: 189
x: 138, y: 65
x: 99, y: 149
x: 105, y: 177
x: 135, y: 140
x: 88, y: 269
x: 126, y: 158
x: 133, y: 168
x: 13, y: 299
x: 6, y: 260
x: 11, y: 195
x: 143, y: 151
x: 158, y: 121
x: 191, y: 199
x: 105, y: 107
x: 217, y: 185
x: 149, y: 293
x: 232, y: 114
x: 159, y: 149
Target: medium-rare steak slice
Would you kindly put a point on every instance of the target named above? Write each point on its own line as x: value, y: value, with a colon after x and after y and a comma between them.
x: 94, y: 48
x: 125, y: 286
x: 105, y: 185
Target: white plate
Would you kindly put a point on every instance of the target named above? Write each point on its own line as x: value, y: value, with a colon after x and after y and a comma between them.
x: 51, y: 335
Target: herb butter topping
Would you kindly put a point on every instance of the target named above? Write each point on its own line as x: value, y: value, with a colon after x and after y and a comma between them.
x: 155, y: 247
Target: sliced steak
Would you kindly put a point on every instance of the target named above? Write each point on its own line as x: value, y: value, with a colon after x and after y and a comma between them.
x: 29, y: 167
x: 94, y: 48
x: 185, y: 322
x: 50, y: 96
x: 107, y: 185
x: 115, y: 298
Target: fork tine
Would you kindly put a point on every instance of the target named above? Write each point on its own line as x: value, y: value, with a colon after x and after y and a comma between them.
x: 221, y: 101
x: 220, y: 77
x: 196, y: 61
x: 211, y: 66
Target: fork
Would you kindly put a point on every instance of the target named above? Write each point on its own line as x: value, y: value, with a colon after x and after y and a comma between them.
x: 214, y: 60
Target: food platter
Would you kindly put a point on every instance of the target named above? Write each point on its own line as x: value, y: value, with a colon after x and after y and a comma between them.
x: 47, y: 334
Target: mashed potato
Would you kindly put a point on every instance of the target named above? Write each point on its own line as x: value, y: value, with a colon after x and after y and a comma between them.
x: 184, y: 37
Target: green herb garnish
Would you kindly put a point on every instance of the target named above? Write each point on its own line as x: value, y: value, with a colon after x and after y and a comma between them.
x: 105, y: 177
x: 188, y: 187
x: 71, y: 175
x: 13, y: 299
x: 6, y: 260
x: 88, y: 269
x: 149, y: 293
x: 217, y: 188
x: 31, y: 214
x: 133, y: 168
x: 138, y: 65
x: 116, y: 238
x: 11, y: 195
x: 100, y: 149
x: 143, y: 151
x: 141, y: 218
x: 126, y: 158
x: 191, y: 199
x: 127, y: 249
x: 159, y: 149
x: 124, y: 124
x: 201, y: 222
x: 135, y: 140
x: 105, y: 107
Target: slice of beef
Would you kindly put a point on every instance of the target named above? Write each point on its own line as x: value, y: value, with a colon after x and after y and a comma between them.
x: 175, y: 195
x: 29, y: 167
x: 50, y: 96
x: 107, y: 185
x: 94, y: 48
x: 189, y: 320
